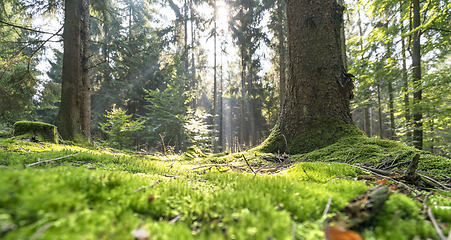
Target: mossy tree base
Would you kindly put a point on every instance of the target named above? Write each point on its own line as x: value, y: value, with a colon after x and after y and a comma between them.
x: 43, y: 132
x: 321, y: 132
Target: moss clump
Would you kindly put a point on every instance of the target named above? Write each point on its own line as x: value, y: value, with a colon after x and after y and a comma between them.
x: 42, y: 132
x: 322, y: 132
x: 194, y: 152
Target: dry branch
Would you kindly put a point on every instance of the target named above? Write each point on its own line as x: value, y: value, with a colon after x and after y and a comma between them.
x: 436, y: 226
x: 51, y: 160
x: 153, y: 185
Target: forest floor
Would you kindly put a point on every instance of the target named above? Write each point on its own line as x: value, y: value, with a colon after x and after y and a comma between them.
x: 50, y: 191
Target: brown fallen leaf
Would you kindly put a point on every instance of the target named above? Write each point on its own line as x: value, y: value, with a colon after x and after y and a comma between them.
x: 382, y: 181
x: 340, y: 233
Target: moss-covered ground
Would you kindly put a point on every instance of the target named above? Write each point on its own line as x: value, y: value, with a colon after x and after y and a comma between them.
x: 95, y: 194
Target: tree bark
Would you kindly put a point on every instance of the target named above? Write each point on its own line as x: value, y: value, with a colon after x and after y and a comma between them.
x: 316, y: 110
x: 281, y: 37
x: 381, y: 129
x: 416, y: 62
x: 74, y: 116
x: 243, y: 139
x: 215, y: 120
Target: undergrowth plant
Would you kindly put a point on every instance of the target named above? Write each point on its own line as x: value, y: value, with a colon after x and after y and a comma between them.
x: 120, y: 128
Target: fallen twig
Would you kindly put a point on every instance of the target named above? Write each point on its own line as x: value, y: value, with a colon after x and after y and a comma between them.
x: 436, y: 226
x: 174, y: 220
x: 153, y: 185
x: 326, y: 210
x: 46, y: 161
x: 171, y: 176
x: 435, y: 182
x: 346, y: 160
x: 396, y: 165
x: 248, y: 164
x: 380, y: 175
x: 307, y: 174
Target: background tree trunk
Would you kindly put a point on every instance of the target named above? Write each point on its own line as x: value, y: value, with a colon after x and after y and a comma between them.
x: 416, y: 62
x: 281, y: 52
x: 318, y: 88
x: 74, y: 116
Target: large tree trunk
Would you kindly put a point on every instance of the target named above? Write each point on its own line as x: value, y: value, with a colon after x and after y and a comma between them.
x: 74, y: 116
x: 316, y: 110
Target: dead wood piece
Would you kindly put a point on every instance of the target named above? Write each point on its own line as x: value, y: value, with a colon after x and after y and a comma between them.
x: 46, y: 161
x: 171, y: 176
x: 346, y: 160
x: 329, y: 202
x: 307, y: 174
x: 267, y: 170
x: 378, y: 171
x: 380, y: 175
x: 248, y: 164
x: 436, y: 226
x: 396, y: 165
x: 174, y: 220
x: 434, y: 183
x: 410, y: 172
x: 153, y: 185
x: 363, y: 207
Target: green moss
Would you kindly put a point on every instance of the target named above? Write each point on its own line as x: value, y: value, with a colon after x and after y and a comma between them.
x: 322, y: 132
x: 93, y: 195
x: 194, y: 152
x: 43, y: 132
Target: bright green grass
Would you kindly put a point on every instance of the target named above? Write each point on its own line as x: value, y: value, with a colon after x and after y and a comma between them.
x: 97, y: 199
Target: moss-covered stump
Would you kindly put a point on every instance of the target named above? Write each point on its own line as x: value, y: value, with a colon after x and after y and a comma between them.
x: 42, y: 132
x: 322, y: 132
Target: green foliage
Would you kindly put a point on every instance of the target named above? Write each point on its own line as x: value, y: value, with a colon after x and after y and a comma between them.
x: 120, y: 128
x: 379, y: 35
x: 196, y: 128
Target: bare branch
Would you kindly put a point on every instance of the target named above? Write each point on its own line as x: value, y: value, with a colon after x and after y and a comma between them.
x: 46, y: 161
x: 28, y: 29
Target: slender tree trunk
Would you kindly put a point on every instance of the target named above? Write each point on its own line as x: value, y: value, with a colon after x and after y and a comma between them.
x: 381, y: 130
x: 185, y: 52
x: 417, y: 114
x: 74, y: 116
x: 406, y: 93
x: 281, y: 37
x: 215, y: 125
x: 253, y: 134
x: 193, y: 56
x: 243, y: 85
x: 366, y: 108
x: 390, y: 90
x: 392, y: 110
x: 221, y: 113
x: 319, y: 89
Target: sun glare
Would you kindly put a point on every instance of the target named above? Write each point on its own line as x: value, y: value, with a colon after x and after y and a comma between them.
x: 222, y: 15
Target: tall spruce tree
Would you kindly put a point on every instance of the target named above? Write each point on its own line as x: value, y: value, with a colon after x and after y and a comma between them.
x: 318, y: 87
x: 74, y: 116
